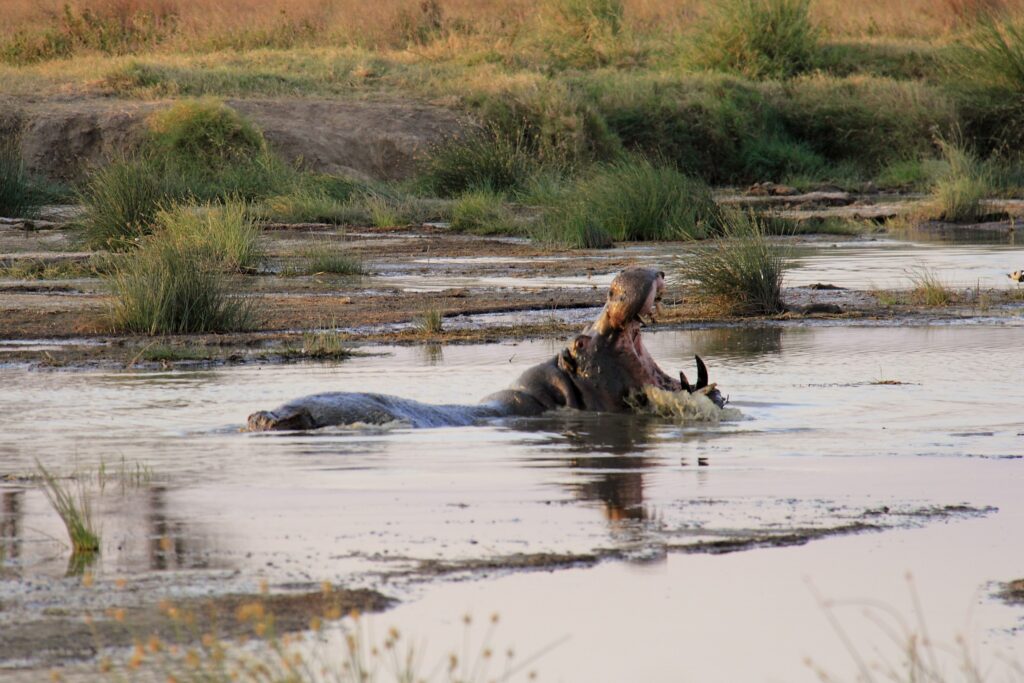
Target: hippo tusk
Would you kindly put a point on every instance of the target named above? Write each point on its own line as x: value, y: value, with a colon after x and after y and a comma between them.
x: 685, y: 382
x: 702, y: 374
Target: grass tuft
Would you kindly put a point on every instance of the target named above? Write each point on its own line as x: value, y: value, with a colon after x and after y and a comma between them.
x: 957, y: 194
x: 758, y: 38
x: 226, y: 231
x: 175, y: 286
x: 121, y: 200
x: 633, y: 200
x: 742, y: 270
x: 928, y: 289
x: 75, y: 510
x: 481, y: 212
x: 432, y: 321
x: 326, y: 257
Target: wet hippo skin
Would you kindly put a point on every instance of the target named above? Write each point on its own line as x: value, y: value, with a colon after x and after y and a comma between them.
x: 603, y: 369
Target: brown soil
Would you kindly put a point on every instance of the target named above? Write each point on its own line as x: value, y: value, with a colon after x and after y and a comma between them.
x: 60, y: 139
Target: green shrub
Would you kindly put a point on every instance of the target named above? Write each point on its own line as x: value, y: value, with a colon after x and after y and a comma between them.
x: 16, y: 189
x: 572, y: 224
x: 554, y: 124
x: 121, y: 200
x: 173, y: 286
x: 986, y: 71
x: 204, y: 131
x: 226, y: 232
x: 485, y: 160
x: 630, y: 200
x: 742, y: 270
x: 721, y: 128
x: 927, y: 288
x: 864, y: 120
x: 758, y: 38
x: 75, y: 511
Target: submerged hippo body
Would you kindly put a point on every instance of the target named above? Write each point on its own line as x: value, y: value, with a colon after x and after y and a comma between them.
x: 603, y: 369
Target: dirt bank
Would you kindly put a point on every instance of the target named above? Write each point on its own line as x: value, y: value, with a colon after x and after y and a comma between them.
x: 61, y: 139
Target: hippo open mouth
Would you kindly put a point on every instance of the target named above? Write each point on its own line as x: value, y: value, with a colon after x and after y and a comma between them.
x: 610, y: 358
x: 604, y: 369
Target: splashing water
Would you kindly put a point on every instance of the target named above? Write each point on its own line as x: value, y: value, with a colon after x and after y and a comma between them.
x: 682, y: 406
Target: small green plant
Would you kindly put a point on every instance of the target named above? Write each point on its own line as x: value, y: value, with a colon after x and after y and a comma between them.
x: 174, y: 286
x: 572, y: 223
x: 325, y: 343
x: 742, y: 270
x: 758, y: 38
x: 432, y: 321
x: 226, y: 231
x: 486, y: 160
x: 75, y: 510
x: 957, y: 194
x: 928, y: 289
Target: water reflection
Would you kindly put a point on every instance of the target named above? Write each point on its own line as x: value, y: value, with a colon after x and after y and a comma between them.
x: 12, y: 503
x: 740, y: 342
x: 606, y: 452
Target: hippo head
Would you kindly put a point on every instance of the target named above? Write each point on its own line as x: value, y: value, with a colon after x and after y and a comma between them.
x: 609, y: 362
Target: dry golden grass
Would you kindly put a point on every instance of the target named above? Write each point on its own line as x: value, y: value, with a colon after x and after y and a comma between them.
x: 382, y: 22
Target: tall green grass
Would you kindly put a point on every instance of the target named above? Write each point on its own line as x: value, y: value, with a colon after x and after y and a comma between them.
x: 758, y: 38
x: 226, y: 231
x: 631, y: 200
x: 487, y: 160
x: 16, y: 190
x: 175, y: 286
x: 121, y: 200
x: 742, y: 270
x: 481, y: 212
x: 957, y: 194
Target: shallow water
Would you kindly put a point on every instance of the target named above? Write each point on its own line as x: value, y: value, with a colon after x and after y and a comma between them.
x: 825, y: 447
x: 892, y: 264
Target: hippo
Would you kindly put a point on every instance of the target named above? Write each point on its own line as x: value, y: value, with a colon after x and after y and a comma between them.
x: 604, y: 369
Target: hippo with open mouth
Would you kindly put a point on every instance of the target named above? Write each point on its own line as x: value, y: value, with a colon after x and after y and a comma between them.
x: 604, y: 369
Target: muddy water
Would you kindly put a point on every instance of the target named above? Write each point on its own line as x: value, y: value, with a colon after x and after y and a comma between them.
x: 930, y: 465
